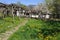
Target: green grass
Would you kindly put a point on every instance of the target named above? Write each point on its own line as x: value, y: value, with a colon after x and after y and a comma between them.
x: 38, y: 30
x: 8, y: 23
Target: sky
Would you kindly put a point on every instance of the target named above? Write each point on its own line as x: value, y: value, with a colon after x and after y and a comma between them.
x: 25, y: 2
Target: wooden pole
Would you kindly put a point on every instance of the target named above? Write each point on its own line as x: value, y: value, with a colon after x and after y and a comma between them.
x: 12, y: 13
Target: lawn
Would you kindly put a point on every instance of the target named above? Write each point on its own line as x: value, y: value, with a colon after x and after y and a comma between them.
x: 8, y: 23
x: 38, y: 30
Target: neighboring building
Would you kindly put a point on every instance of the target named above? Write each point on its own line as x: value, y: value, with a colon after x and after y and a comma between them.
x: 2, y: 7
x: 10, y: 9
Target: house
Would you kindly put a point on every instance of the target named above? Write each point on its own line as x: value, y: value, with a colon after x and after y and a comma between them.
x: 2, y: 9
x: 32, y: 14
x: 11, y: 9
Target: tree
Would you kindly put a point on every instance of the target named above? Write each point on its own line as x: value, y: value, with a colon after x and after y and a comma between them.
x: 50, y: 5
x: 54, y: 7
x: 57, y: 6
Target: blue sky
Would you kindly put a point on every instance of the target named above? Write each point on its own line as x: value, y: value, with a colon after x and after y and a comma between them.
x: 26, y: 2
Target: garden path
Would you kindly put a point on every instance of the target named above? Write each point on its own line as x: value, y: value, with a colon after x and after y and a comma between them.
x: 7, y: 34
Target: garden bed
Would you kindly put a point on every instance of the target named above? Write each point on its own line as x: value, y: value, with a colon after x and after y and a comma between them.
x: 38, y: 30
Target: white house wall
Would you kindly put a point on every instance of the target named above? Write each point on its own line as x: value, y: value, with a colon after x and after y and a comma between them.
x: 34, y: 16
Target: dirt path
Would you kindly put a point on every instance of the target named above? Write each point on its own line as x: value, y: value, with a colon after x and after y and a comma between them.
x: 7, y: 34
